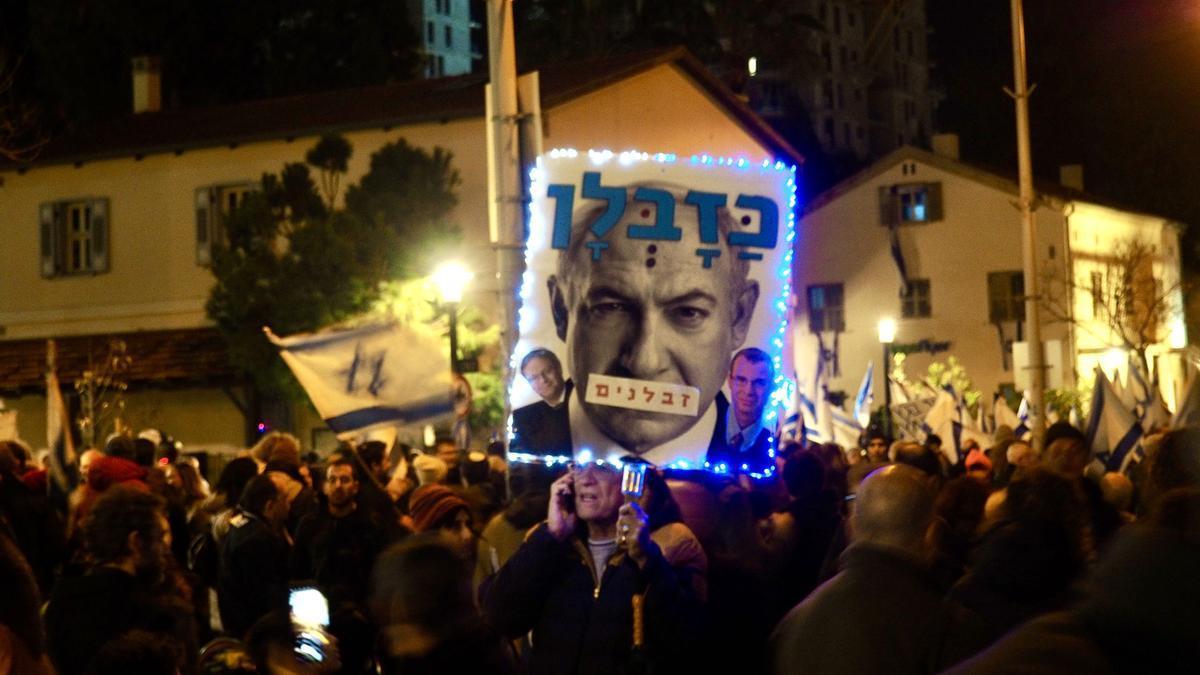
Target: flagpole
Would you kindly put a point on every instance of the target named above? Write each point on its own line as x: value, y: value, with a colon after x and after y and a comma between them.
x: 1028, y: 229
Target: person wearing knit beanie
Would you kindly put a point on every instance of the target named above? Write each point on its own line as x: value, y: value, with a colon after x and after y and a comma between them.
x: 437, y: 507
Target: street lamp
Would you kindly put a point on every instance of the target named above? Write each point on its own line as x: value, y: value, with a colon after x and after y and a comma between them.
x: 887, y: 334
x: 451, y: 279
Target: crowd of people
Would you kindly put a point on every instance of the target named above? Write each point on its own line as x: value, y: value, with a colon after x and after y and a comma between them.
x: 883, y: 558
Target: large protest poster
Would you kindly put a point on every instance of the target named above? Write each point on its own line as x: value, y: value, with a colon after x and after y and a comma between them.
x: 654, y: 310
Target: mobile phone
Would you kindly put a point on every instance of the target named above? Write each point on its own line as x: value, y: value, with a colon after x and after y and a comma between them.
x: 310, y: 619
x: 566, y: 500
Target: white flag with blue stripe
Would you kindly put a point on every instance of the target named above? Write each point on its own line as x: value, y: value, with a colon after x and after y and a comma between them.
x: 1138, y: 384
x: 866, y: 397
x: 370, y: 376
x: 791, y: 427
x: 1113, y: 430
x: 941, y: 419
x: 1155, y: 415
x: 1004, y: 415
x: 1187, y: 414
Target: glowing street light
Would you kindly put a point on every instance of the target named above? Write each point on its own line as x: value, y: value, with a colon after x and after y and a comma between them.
x: 452, y: 278
x: 887, y: 330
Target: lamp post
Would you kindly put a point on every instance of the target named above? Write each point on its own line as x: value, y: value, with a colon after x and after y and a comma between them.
x: 887, y: 334
x: 451, y: 279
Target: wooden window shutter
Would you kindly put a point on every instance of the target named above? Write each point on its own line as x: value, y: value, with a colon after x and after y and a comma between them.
x: 50, y: 226
x: 933, y: 202
x: 204, y: 225
x: 888, y: 206
x: 100, y: 232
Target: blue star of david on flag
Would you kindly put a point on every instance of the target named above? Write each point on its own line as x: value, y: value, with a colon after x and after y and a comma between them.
x: 376, y: 375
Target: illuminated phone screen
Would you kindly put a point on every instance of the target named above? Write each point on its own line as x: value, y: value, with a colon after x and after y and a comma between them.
x: 309, y: 607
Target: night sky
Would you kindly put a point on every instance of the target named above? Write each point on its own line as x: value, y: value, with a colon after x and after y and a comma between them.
x: 1118, y: 90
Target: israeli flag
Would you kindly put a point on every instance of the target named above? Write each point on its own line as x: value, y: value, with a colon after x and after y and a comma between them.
x: 1113, y: 430
x: 866, y: 397
x: 792, y: 424
x: 1138, y: 385
x: 1188, y: 412
x: 1004, y: 415
x: 1022, y: 430
x: 941, y: 419
x: 844, y: 428
x: 383, y: 374
x: 1155, y: 414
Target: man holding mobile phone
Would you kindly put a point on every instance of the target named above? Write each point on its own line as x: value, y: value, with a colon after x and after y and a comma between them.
x: 574, y: 579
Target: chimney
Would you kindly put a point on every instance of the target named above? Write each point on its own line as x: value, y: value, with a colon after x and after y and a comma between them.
x: 147, y: 84
x: 1071, y: 175
x: 946, y: 145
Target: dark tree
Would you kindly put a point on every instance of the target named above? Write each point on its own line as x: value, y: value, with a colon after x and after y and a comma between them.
x: 295, y: 265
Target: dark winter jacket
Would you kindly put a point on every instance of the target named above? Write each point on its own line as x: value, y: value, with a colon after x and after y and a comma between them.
x: 582, y: 624
x: 339, y: 553
x: 252, y: 579
x: 88, y: 611
x: 1138, y: 615
x: 882, y: 613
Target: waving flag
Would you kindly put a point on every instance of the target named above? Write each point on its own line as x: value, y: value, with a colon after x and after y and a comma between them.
x: 1004, y: 415
x: 1155, y: 414
x: 792, y: 426
x: 1113, y: 430
x: 58, y: 429
x: 370, y: 376
x: 1124, y: 394
x: 941, y: 420
x: 1022, y: 429
x: 1188, y: 413
x: 1138, y: 383
x: 866, y: 397
x: 845, y: 428
x: 981, y: 420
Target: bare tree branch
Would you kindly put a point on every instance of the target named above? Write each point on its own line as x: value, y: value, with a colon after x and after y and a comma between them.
x: 22, y: 135
x: 1130, y: 303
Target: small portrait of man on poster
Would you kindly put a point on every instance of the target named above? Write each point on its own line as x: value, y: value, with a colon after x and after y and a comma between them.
x: 541, y: 428
x: 748, y: 441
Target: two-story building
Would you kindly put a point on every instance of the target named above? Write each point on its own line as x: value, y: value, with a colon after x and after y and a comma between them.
x: 935, y: 244
x: 109, y: 235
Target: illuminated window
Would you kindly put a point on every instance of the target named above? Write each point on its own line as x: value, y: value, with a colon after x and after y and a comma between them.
x: 826, y: 311
x: 910, y: 203
x: 74, y: 237
x: 915, y: 301
x: 1006, y: 296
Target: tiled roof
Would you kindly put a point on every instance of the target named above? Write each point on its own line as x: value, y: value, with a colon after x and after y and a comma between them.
x: 156, y: 358
x: 385, y: 105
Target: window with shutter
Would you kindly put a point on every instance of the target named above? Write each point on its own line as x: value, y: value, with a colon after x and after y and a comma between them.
x: 203, y: 226
x: 910, y: 203
x: 826, y: 311
x: 915, y: 302
x: 99, y: 232
x: 1006, y: 296
x: 74, y: 237
x: 214, y: 206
